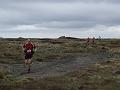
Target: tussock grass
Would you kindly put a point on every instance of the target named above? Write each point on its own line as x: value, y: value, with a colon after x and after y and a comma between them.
x: 11, y: 49
x: 103, y: 76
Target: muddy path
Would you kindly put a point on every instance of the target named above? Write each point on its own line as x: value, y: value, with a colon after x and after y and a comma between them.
x: 56, y: 67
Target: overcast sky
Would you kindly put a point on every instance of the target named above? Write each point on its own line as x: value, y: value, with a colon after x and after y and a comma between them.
x: 54, y: 18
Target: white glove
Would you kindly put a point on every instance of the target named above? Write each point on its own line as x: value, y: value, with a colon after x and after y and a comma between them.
x: 28, y: 50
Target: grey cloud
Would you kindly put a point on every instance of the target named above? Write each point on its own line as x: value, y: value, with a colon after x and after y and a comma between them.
x: 59, y: 15
x: 27, y: 14
x: 18, y: 1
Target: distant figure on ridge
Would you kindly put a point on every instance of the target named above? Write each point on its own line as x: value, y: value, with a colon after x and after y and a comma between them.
x: 99, y: 38
x: 93, y: 40
x: 88, y: 41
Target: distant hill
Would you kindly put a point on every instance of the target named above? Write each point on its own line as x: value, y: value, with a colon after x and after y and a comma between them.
x: 64, y: 37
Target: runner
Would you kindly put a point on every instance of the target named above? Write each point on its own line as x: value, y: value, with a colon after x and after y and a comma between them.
x: 29, y: 49
x: 88, y: 41
x: 93, y: 40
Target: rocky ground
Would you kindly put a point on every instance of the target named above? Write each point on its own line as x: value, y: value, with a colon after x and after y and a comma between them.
x: 56, y: 67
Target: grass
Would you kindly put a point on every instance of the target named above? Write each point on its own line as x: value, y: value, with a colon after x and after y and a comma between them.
x: 11, y: 49
x: 47, y: 49
x: 103, y: 76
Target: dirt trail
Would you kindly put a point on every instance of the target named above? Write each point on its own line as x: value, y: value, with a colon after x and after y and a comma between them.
x: 57, y: 67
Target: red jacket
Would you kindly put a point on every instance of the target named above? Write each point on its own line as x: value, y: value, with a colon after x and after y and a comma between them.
x: 29, y: 46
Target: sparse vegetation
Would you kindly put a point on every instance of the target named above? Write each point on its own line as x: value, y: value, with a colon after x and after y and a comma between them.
x: 102, y: 76
x: 50, y: 49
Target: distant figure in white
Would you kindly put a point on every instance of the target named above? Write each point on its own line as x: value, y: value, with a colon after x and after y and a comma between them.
x: 99, y: 38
